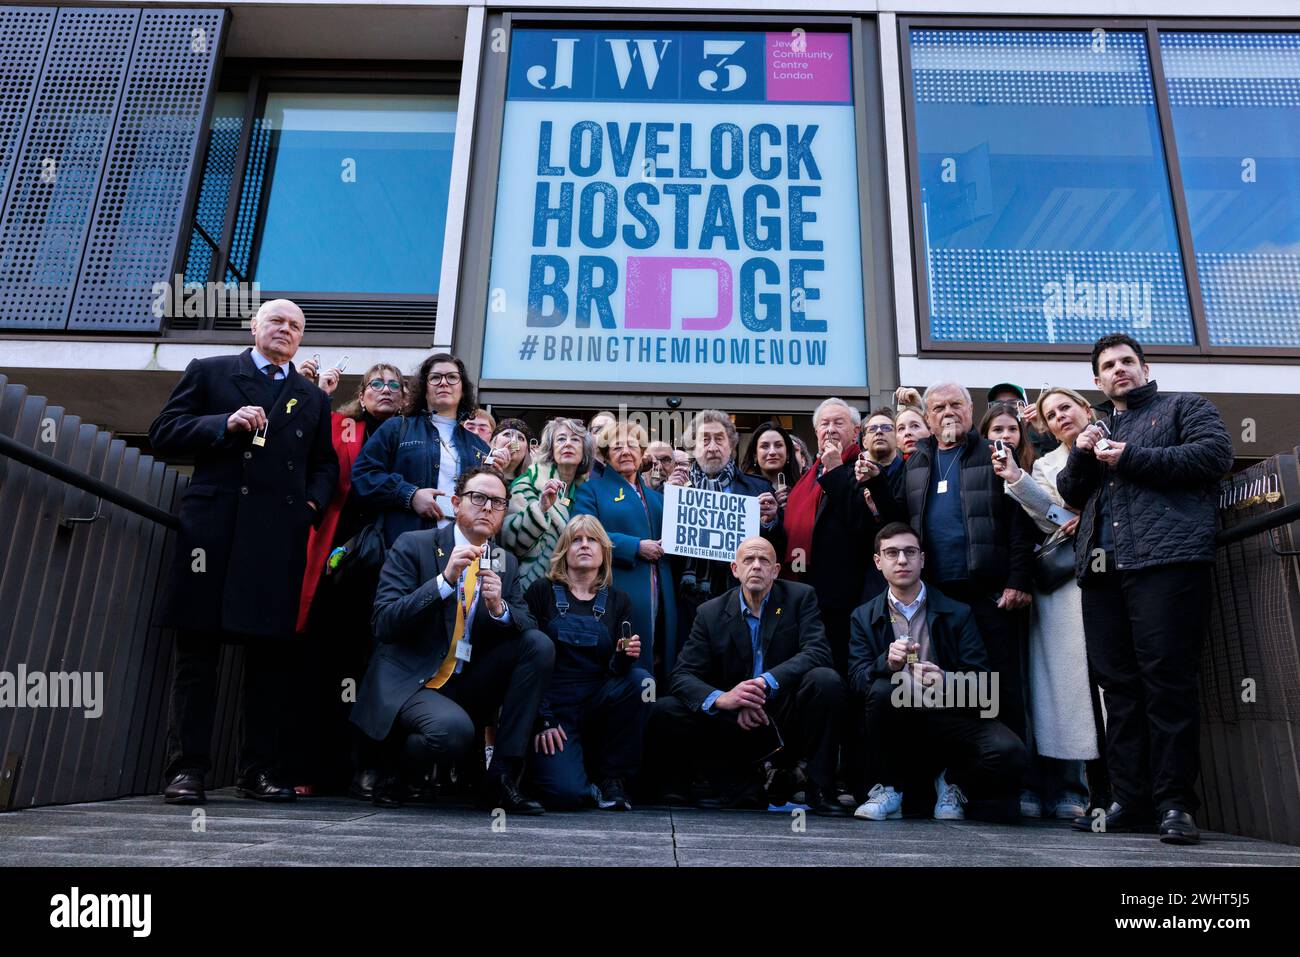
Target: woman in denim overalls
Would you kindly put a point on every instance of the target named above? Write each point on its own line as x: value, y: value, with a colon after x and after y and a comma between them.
x: 594, y: 712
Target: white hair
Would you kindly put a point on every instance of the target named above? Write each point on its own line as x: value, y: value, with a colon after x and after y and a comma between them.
x: 965, y: 392
x: 854, y: 415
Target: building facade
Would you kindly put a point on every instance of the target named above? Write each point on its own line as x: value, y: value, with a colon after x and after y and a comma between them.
x: 670, y: 206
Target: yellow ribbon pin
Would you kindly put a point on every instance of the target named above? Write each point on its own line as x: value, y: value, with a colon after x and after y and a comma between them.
x: 289, y: 408
x: 778, y: 611
x: 620, y: 496
x: 440, y: 553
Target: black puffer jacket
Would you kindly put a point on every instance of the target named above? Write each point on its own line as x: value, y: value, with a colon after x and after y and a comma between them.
x: 1162, y: 490
x: 1000, y: 536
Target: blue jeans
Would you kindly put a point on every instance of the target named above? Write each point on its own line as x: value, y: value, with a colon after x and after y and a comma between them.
x: 604, y: 723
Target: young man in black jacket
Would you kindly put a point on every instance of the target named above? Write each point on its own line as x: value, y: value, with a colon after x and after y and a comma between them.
x: 1143, y: 555
x: 917, y: 657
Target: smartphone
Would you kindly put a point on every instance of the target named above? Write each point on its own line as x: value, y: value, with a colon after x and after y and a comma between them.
x: 999, y: 449
x: 1058, y: 515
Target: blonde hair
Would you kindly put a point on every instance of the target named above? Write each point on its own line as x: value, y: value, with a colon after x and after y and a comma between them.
x: 632, y: 429
x: 590, y: 524
x: 1070, y: 393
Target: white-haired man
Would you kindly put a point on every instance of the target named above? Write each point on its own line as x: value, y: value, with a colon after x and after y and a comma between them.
x: 979, y: 544
x: 827, y: 521
x: 259, y: 435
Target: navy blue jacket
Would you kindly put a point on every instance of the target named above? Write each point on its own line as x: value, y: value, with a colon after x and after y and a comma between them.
x: 1162, y: 490
x: 402, y: 457
x: 413, y: 625
x: 955, y: 641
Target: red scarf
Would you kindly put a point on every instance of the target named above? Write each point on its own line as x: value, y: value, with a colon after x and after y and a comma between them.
x: 801, y: 515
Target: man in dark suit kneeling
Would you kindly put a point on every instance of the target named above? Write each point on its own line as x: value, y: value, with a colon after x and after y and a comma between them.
x: 753, y: 682
x: 455, y: 644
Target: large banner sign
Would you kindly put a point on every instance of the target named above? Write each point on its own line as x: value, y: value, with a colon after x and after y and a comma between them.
x: 677, y: 207
x: 703, y: 524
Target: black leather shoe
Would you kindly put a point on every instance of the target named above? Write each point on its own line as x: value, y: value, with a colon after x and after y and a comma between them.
x: 1118, y: 819
x: 1178, y: 827
x: 363, y: 784
x: 747, y: 796
x: 389, y: 791
x: 499, y: 791
x: 823, y: 803
x: 261, y: 786
x: 185, y: 788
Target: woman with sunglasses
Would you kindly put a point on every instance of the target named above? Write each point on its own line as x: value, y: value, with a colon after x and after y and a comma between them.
x: 408, y: 468
x: 338, y: 616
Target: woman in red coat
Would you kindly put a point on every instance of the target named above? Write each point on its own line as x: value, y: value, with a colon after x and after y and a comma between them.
x: 338, y: 618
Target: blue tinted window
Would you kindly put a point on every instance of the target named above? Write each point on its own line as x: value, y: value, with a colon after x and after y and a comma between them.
x: 1045, y: 203
x: 353, y: 192
x: 1235, y: 99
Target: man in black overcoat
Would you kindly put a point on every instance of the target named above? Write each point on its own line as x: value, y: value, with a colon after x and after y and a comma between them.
x: 264, y: 471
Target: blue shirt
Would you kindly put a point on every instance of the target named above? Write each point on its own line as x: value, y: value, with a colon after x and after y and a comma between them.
x: 754, y: 623
x: 944, y: 524
x: 262, y: 362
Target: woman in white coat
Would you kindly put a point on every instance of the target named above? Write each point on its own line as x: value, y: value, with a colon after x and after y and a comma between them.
x: 1061, y: 695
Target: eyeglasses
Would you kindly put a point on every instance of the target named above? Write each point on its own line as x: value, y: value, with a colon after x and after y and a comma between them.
x: 451, y: 378
x: 892, y: 554
x: 880, y: 427
x: 392, y: 385
x: 479, y: 500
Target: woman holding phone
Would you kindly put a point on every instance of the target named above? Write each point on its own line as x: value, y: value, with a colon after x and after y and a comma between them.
x: 1064, y: 711
x: 406, y: 471
x: 593, y: 714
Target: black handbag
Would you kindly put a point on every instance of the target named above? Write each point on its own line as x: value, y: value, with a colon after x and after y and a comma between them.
x: 1054, y: 563
x: 362, y: 554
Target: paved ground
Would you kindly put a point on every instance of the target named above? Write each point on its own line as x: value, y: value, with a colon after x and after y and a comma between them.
x: 338, y: 831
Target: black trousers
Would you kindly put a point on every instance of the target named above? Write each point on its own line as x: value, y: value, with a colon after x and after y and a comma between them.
x: 193, y: 704
x: 1144, y: 631
x: 806, y: 716
x: 1005, y: 635
x: 982, y: 755
x: 509, y: 674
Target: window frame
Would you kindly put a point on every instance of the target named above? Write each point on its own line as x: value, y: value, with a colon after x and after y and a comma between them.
x: 257, y: 78
x: 1200, y: 349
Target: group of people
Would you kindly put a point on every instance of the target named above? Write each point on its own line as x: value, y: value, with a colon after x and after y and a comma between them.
x: 1001, y: 620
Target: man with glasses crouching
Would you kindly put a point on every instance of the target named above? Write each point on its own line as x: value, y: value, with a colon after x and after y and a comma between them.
x: 456, y: 649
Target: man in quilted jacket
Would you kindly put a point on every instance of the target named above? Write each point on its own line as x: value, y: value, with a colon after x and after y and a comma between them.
x: 1143, y: 556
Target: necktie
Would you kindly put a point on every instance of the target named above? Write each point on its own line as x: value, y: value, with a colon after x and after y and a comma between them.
x: 272, y: 370
x: 462, y: 611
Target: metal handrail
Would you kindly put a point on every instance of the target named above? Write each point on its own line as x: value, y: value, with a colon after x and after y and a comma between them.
x: 15, y: 450
x: 1259, y: 523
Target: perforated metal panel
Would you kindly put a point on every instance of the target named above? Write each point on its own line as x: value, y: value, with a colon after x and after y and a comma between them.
x: 47, y: 211
x: 150, y: 166
x: 24, y: 34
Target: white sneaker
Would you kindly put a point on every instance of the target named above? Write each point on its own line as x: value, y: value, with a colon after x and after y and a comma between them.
x: 950, y: 800
x: 1070, y: 806
x: 1030, y: 805
x: 882, y: 804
